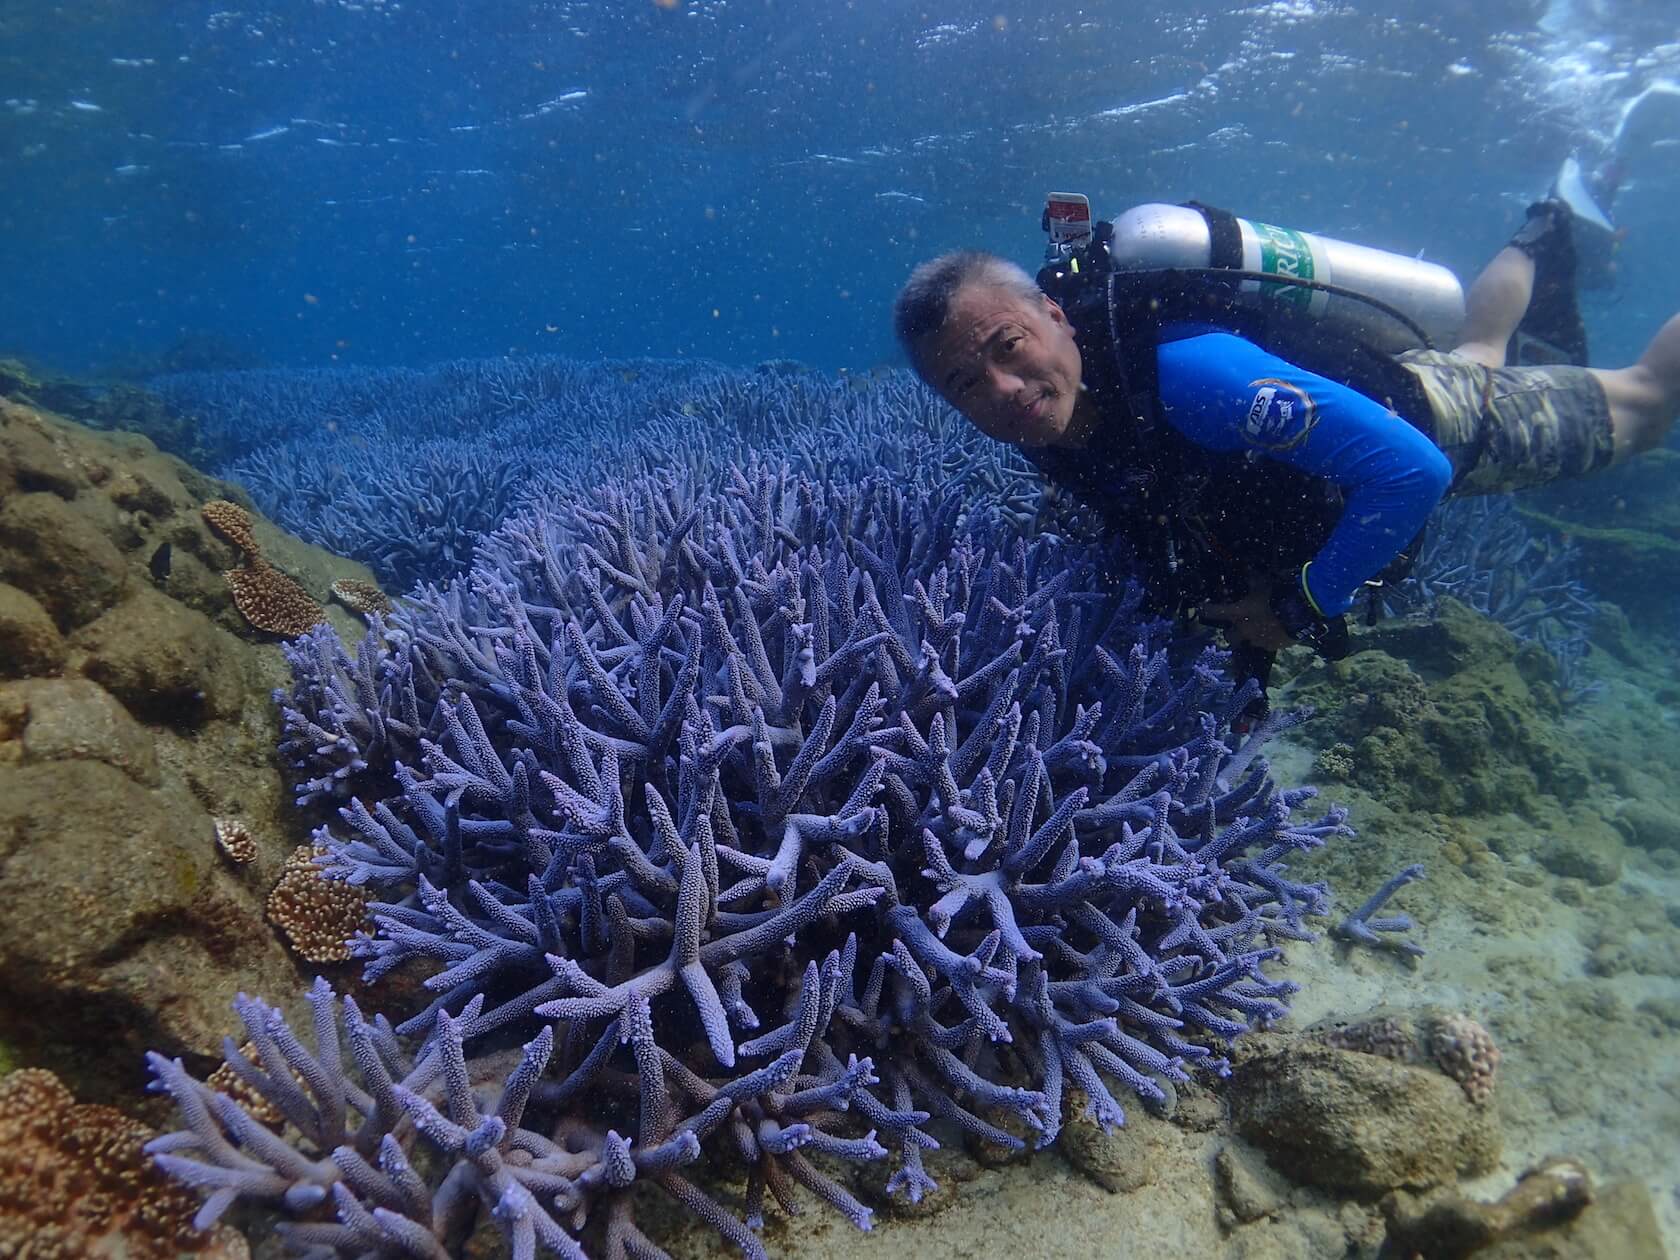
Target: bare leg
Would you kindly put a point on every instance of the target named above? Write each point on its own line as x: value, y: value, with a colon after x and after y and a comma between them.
x: 1645, y: 398
x: 1495, y: 306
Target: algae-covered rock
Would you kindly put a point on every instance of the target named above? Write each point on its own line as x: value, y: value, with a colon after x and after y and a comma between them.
x: 1649, y: 824
x: 1124, y: 1158
x: 30, y: 459
x: 1626, y: 524
x: 83, y: 516
x: 117, y: 404
x: 134, y: 711
x: 17, y: 377
x: 1595, y: 857
x: 951, y: 1168
x: 73, y: 719
x: 1245, y: 1186
x: 1452, y: 715
x: 1344, y: 1120
x: 30, y: 644
x: 122, y: 930
x: 165, y: 661
x: 1450, y: 1041
x: 60, y: 556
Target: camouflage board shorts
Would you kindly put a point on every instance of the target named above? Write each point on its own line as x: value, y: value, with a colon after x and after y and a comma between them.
x: 1513, y: 427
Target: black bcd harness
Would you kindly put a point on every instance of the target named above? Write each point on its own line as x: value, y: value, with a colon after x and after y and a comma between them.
x: 1201, y: 522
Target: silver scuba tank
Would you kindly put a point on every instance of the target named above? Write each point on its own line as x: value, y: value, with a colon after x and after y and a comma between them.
x: 1158, y: 235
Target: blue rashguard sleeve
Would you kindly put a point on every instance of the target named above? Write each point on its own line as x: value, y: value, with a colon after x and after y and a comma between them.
x: 1227, y: 394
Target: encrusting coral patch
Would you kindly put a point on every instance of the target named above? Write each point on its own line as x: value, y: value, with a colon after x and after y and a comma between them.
x: 318, y: 916
x: 362, y: 597
x: 75, y: 1183
x: 1465, y: 1051
x: 235, y: 840
x: 267, y: 598
x: 271, y: 601
x: 227, y: 1080
x: 232, y: 523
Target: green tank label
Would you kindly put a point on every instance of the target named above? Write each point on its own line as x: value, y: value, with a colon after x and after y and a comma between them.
x: 1284, y: 252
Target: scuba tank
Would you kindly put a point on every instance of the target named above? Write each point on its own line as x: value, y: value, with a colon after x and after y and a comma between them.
x: 1386, y: 301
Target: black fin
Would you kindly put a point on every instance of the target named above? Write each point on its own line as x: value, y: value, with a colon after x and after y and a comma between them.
x: 1551, y: 330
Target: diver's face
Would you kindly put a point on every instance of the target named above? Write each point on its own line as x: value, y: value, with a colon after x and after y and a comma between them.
x: 1008, y: 363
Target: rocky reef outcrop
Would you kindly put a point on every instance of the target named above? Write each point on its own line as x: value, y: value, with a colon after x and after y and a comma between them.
x: 135, y: 712
x: 1452, y: 714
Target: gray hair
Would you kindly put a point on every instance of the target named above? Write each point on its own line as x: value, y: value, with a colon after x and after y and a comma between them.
x: 924, y: 303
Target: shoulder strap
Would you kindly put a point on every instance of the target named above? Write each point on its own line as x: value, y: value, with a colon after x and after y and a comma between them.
x: 1127, y: 355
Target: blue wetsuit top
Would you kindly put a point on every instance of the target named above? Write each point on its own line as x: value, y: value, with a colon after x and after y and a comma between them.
x: 1226, y: 394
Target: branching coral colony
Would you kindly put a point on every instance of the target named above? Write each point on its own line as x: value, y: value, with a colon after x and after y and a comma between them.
x: 788, y: 829
x: 403, y: 469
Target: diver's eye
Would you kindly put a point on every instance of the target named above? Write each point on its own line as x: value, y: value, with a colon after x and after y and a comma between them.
x: 1008, y: 344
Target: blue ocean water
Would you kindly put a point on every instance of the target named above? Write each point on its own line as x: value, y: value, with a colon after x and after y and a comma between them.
x: 736, y: 179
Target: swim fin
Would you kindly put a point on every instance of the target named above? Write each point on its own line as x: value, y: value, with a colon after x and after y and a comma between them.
x: 1594, y: 235
x: 1551, y: 330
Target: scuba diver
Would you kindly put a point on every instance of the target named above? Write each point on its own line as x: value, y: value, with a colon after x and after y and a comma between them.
x: 1263, y: 414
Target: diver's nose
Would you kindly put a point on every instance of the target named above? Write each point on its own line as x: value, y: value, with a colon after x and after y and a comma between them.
x: 1006, y: 384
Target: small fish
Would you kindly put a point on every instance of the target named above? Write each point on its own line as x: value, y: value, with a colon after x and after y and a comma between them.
x: 159, y: 563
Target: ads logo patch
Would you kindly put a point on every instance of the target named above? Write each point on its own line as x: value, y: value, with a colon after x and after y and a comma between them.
x: 1280, y: 416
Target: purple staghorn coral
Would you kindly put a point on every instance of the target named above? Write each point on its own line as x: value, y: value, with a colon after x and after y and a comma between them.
x: 1365, y: 926
x: 373, y: 464
x: 340, y: 721
x: 789, y: 819
x: 1480, y: 552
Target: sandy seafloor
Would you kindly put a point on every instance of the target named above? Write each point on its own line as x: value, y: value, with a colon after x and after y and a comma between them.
x: 1590, y: 1067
